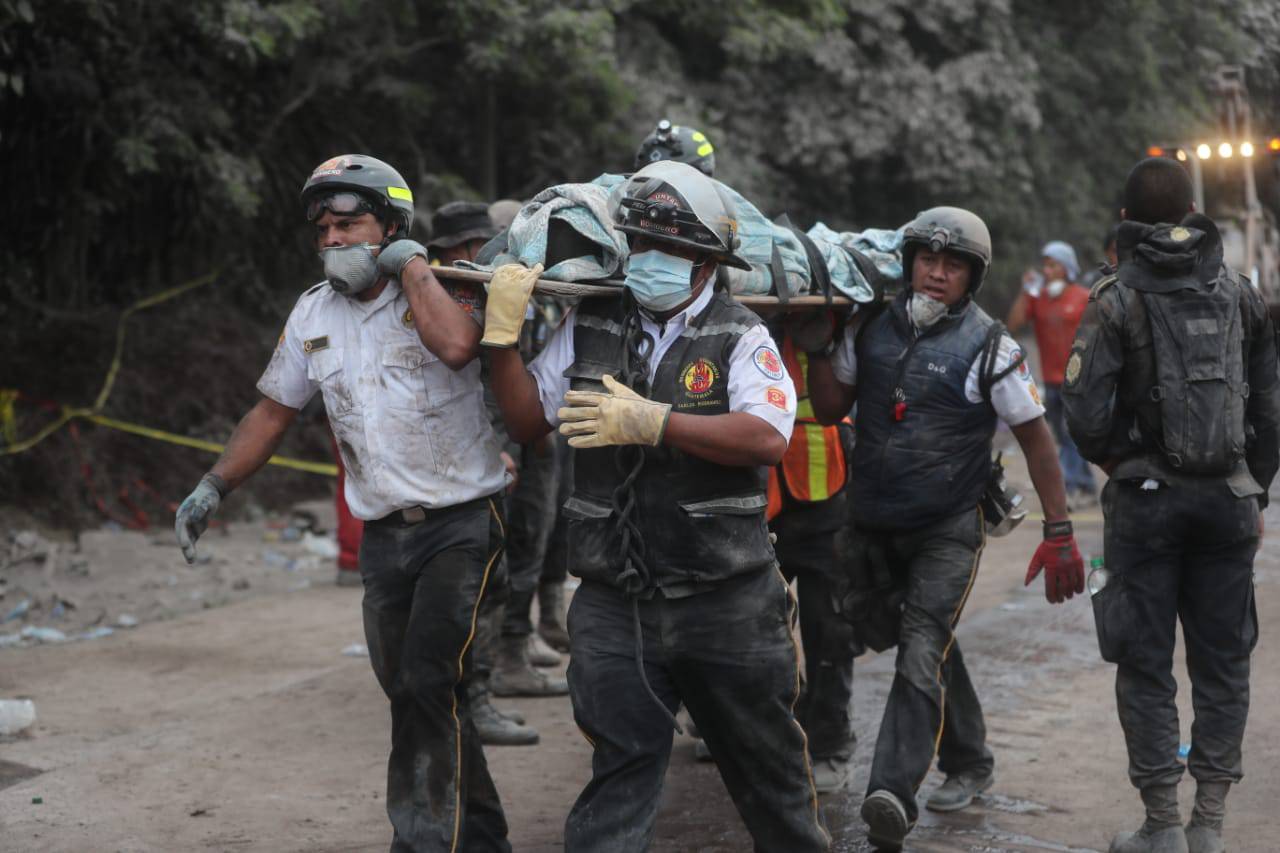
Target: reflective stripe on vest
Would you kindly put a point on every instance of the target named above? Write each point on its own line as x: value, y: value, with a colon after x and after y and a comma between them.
x: 813, y: 468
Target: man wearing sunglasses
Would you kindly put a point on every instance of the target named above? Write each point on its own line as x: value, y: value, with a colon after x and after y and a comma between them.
x: 395, y: 358
x: 673, y: 396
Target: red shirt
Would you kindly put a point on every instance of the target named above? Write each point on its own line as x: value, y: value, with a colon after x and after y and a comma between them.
x: 1055, y: 321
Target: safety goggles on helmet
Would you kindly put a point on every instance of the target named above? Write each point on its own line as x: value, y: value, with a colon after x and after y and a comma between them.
x: 340, y: 204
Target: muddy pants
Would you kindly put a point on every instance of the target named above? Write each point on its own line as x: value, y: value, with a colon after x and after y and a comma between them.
x: 533, y: 509
x: 423, y: 588
x: 1183, y: 553
x: 727, y: 654
x: 806, y: 549
x: 932, y: 704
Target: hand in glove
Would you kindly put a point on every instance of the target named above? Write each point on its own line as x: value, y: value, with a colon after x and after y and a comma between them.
x: 392, y: 259
x: 618, y: 416
x: 195, y: 512
x: 1060, y: 559
x: 508, y: 302
x: 813, y: 332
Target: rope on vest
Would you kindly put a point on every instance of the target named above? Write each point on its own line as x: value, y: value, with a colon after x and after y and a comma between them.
x: 635, y: 577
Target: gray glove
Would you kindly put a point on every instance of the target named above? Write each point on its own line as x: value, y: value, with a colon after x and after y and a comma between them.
x: 195, y: 512
x: 392, y: 259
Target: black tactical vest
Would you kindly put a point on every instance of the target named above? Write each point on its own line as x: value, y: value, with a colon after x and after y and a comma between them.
x: 700, y: 522
x: 923, y: 450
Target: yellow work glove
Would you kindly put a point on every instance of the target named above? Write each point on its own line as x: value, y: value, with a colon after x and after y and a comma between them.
x: 508, y: 302
x: 619, y: 416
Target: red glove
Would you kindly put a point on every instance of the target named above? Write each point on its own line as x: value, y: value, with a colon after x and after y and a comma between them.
x: 1060, y: 558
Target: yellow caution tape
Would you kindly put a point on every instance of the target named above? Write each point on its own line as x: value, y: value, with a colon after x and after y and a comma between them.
x: 8, y: 422
x: 326, y: 468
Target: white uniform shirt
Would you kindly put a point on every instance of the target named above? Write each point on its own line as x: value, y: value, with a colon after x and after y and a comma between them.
x: 1015, y: 397
x: 758, y: 382
x: 411, y: 431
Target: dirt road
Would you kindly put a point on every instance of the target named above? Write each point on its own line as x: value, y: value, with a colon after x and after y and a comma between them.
x: 242, y: 727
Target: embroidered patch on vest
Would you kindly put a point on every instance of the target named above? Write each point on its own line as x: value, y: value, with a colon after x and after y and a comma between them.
x: 315, y: 344
x: 767, y: 362
x: 1073, y: 367
x: 699, y: 377
x: 776, y: 397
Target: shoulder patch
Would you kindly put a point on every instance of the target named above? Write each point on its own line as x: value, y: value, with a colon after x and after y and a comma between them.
x: 767, y: 362
x: 1103, y: 283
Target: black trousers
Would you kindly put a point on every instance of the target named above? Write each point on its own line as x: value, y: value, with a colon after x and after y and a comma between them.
x: 727, y: 654
x: 932, y: 704
x: 535, y: 540
x: 806, y: 549
x: 1183, y: 553
x: 423, y: 588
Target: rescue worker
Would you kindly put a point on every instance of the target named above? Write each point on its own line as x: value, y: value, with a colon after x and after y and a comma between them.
x: 395, y: 358
x: 1054, y: 312
x: 806, y: 511
x: 1171, y: 387
x: 931, y: 374
x: 673, y: 396
x: 458, y: 230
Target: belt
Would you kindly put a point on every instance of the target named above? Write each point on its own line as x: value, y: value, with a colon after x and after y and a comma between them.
x: 409, y: 516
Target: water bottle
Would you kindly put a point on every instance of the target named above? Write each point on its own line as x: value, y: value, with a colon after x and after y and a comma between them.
x: 1098, y: 576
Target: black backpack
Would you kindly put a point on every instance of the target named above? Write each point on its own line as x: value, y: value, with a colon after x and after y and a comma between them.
x: 1195, y: 412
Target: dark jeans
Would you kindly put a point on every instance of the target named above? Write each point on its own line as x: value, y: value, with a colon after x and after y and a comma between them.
x: 532, y: 558
x: 727, y: 654
x: 423, y: 588
x: 1183, y: 553
x: 1076, y: 473
x: 806, y: 548
x: 932, y: 703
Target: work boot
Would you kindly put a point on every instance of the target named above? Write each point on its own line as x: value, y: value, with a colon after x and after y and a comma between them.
x: 540, y: 654
x: 551, y: 616
x: 831, y: 774
x: 513, y: 675
x: 1162, y: 831
x: 1204, y: 832
x: 886, y: 819
x: 958, y: 790
x: 496, y: 729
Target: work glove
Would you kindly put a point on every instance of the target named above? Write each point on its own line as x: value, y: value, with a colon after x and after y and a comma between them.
x: 391, y: 260
x: 196, y: 511
x: 508, y: 302
x: 1060, y: 559
x: 618, y: 416
x: 813, y: 332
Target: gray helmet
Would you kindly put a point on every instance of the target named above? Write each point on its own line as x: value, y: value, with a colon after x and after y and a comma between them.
x: 949, y: 228
x: 672, y: 202
x: 676, y: 142
x: 388, y: 193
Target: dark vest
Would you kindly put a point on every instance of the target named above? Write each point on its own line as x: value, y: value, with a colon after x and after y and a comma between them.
x: 700, y: 522
x: 923, y: 450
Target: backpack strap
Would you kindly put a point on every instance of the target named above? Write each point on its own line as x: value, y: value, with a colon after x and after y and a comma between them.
x: 988, y: 376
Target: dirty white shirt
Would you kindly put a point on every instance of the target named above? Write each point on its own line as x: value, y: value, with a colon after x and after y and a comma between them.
x: 1015, y: 397
x: 411, y: 431
x: 758, y: 382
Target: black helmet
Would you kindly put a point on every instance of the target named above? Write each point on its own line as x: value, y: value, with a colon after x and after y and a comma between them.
x: 949, y: 228
x: 675, y: 142
x: 388, y: 193
x: 673, y: 202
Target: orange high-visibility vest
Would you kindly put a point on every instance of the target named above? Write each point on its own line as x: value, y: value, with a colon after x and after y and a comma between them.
x: 813, y: 468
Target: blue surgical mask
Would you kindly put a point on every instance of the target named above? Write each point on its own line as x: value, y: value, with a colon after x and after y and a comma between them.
x: 659, y: 281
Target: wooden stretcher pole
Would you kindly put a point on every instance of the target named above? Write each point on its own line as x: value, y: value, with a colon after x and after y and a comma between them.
x: 614, y: 288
